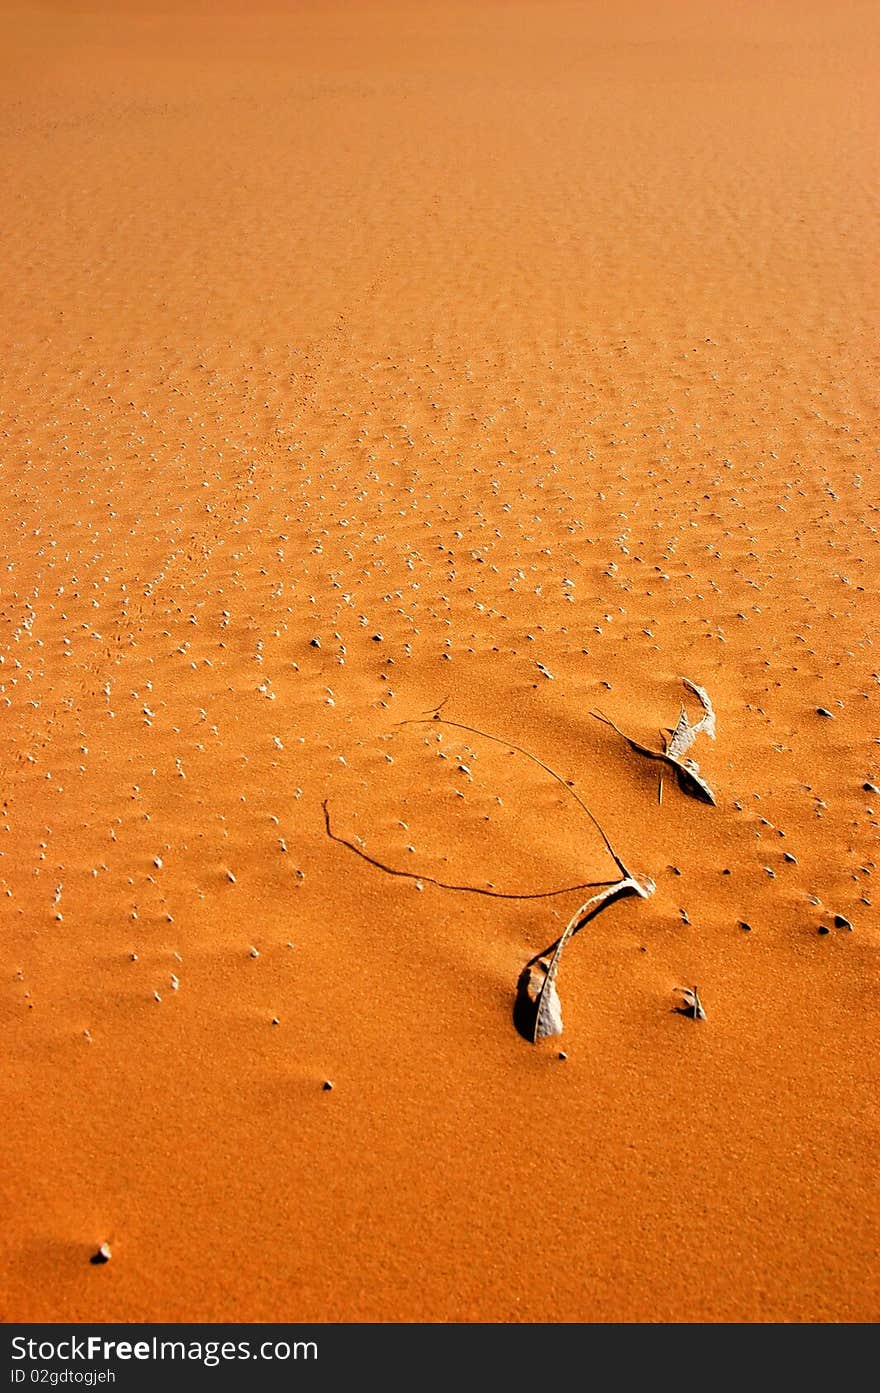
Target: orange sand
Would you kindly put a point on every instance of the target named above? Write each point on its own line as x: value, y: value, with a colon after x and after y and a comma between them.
x: 517, y: 334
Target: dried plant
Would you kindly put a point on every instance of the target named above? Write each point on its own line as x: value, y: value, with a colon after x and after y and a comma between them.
x: 680, y: 740
x: 548, y: 1008
x: 705, y: 723
x: 539, y: 1011
x: 693, y: 1006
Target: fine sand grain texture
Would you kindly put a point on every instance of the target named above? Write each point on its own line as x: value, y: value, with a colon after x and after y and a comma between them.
x: 362, y: 357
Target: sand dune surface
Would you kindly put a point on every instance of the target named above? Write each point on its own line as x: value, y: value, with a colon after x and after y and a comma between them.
x: 363, y: 358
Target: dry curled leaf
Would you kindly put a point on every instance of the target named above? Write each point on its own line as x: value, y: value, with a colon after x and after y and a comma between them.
x: 548, y: 1008
x: 691, y: 781
x: 683, y: 736
x: 706, y: 723
x: 693, y: 1006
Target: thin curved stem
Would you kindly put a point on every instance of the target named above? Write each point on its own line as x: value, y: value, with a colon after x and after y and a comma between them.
x: 444, y: 885
x: 500, y: 740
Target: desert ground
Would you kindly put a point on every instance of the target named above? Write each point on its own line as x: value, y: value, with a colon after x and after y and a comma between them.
x: 511, y: 360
